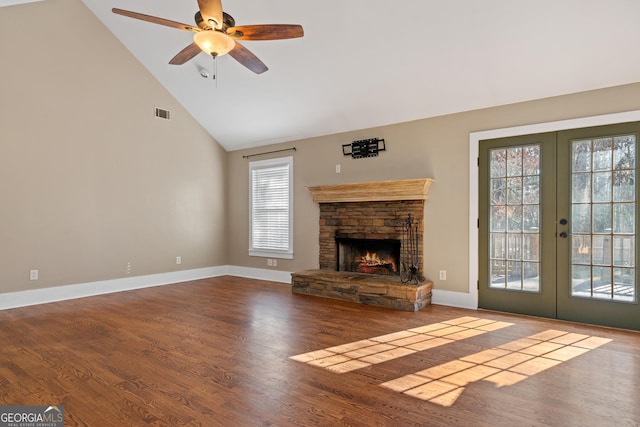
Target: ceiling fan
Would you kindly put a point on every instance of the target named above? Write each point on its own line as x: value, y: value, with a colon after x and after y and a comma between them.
x: 216, y: 33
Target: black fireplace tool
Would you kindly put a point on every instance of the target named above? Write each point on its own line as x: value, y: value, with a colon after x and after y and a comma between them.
x: 410, y: 253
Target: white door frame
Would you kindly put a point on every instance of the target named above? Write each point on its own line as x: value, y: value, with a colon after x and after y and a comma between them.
x: 471, y: 301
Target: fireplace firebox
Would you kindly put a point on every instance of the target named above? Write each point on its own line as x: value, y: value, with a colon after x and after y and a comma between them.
x: 371, y: 256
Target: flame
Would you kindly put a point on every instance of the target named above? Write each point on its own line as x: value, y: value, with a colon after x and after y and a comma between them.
x: 373, y: 260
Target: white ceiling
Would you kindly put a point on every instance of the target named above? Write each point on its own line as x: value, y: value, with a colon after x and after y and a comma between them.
x: 4, y: 3
x: 367, y: 63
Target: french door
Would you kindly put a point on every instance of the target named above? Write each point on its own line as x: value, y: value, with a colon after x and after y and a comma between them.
x: 557, y: 226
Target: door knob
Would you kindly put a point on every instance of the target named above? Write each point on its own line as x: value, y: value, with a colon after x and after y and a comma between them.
x: 563, y: 235
x: 563, y: 221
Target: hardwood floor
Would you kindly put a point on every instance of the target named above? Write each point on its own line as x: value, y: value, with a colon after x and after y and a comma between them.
x: 237, y: 352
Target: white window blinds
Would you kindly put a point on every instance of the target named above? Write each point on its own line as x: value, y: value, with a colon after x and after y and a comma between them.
x: 271, y: 207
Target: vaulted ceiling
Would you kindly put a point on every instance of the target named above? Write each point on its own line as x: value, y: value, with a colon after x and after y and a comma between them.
x: 368, y: 63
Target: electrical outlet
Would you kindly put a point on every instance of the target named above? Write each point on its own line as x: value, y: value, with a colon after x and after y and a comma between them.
x: 274, y: 262
x: 269, y: 262
x: 128, y: 268
x: 33, y: 275
x: 443, y: 274
x: 178, y: 260
x: 338, y: 168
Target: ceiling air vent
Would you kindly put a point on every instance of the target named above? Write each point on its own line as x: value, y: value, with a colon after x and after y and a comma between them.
x: 163, y: 114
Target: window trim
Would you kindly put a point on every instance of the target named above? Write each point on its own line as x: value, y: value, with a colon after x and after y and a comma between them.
x: 268, y: 164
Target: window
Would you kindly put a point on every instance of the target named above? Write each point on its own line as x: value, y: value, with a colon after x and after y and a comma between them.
x: 270, y: 208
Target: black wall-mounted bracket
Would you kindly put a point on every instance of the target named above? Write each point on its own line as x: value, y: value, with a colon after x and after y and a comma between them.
x: 364, y: 148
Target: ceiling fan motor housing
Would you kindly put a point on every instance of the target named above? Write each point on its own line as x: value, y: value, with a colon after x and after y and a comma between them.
x: 227, y: 21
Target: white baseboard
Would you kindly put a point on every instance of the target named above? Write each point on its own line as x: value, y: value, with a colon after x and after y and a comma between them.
x: 81, y: 290
x: 260, y: 274
x: 455, y: 299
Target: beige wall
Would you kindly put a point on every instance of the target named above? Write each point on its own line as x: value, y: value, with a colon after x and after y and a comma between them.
x: 433, y: 148
x: 89, y: 179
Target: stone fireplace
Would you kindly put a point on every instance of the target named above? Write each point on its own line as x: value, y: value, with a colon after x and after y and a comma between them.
x: 361, y: 244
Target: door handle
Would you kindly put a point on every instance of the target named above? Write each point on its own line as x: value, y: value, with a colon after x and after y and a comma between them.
x: 564, y: 235
x: 563, y: 221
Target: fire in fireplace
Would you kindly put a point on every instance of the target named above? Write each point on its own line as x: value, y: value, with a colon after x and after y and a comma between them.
x: 372, y: 256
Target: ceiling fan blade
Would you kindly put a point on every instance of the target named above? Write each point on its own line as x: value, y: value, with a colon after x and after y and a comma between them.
x: 266, y: 32
x: 248, y: 59
x: 155, y: 20
x: 185, y: 54
x: 211, y: 10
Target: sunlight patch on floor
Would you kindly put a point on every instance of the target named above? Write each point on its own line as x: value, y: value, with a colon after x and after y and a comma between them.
x: 359, y: 354
x: 504, y: 365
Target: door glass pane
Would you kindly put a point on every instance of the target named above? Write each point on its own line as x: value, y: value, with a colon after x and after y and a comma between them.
x: 531, y: 190
x: 514, y: 246
x: 601, y: 187
x: 581, y: 187
x: 581, y: 249
x: 581, y: 156
x: 514, y: 222
x: 498, y: 218
x: 601, y: 250
x: 624, y: 152
x: 624, y: 251
x: 531, y: 247
x: 581, y: 218
x: 624, y: 188
x: 498, y: 246
x: 602, y: 154
x: 581, y: 281
x: 602, y: 284
x: 514, y: 275
x: 624, y: 283
x: 514, y: 161
x: 514, y: 218
x: 498, y: 191
x: 603, y: 218
x: 530, y: 276
x: 497, y: 272
x: 531, y: 160
x: 514, y: 191
x: 531, y: 218
x: 624, y: 218
x: 498, y: 163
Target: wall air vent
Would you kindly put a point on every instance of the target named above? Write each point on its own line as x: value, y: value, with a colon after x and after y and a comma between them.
x: 163, y: 114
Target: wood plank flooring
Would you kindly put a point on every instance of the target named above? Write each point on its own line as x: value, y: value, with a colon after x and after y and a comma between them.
x: 229, y: 351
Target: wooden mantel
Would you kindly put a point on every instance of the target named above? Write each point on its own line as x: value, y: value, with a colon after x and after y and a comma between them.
x: 406, y: 189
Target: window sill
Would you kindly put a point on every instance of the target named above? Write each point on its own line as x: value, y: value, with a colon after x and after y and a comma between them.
x: 270, y: 254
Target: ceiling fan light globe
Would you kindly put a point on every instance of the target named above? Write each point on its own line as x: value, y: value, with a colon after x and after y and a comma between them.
x: 213, y: 42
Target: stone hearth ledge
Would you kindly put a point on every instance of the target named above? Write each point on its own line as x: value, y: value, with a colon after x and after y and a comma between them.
x: 383, y: 291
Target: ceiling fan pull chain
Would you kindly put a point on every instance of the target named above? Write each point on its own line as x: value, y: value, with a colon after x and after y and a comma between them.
x: 215, y: 70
